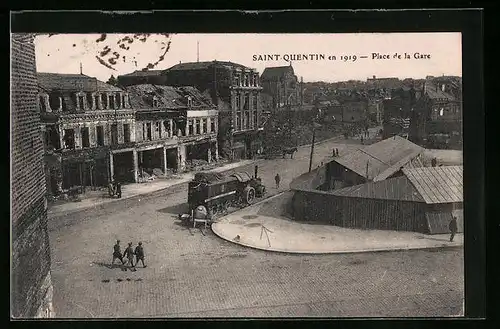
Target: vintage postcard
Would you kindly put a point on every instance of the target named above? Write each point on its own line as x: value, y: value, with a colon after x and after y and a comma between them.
x: 237, y: 175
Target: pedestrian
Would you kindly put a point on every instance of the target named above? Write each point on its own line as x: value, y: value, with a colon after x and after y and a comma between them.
x: 129, y: 253
x: 277, y: 179
x: 333, y: 152
x: 139, y: 254
x: 337, y: 152
x: 453, y: 228
x: 362, y: 140
x: 117, y: 253
x: 119, y: 189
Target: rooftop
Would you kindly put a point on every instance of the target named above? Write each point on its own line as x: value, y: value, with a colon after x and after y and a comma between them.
x: 141, y: 96
x: 143, y: 73
x: 380, y: 160
x: 276, y: 72
x: 71, y: 82
x: 204, y: 65
x: 437, y: 184
x: 398, y: 188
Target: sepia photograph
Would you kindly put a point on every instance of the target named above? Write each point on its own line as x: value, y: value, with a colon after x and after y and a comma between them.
x: 236, y: 175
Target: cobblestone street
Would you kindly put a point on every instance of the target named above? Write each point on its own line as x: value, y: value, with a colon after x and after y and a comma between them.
x: 193, y: 273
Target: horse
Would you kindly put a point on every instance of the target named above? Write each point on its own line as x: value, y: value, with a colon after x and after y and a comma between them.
x: 290, y: 151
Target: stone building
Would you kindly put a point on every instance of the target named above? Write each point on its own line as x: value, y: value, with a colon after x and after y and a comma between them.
x: 282, y: 85
x: 174, y: 127
x: 437, y: 119
x: 142, y: 77
x: 235, y: 90
x: 31, y: 287
x: 84, y: 121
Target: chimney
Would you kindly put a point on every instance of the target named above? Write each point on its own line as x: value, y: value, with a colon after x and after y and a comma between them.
x: 374, y: 77
x: 81, y: 68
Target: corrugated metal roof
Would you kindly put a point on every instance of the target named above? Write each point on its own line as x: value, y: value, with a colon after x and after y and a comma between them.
x: 382, y: 159
x: 398, y: 188
x: 437, y: 184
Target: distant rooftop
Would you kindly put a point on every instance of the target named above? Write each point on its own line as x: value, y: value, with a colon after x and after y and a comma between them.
x: 204, y: 65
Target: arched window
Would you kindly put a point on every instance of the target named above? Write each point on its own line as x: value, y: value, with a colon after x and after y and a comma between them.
x: 55, y: 101
x: 112, y: 101
x: 155, y: 101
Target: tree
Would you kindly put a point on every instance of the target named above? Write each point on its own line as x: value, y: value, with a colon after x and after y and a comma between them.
x: 112, y: 80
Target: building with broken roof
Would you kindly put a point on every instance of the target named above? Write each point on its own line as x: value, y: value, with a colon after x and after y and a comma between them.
x: 235, y: 90
x: 437, y: 118
x: 83, y: 119
x: 281, y: 83
x: 419, y: 199
x: 174, y: 127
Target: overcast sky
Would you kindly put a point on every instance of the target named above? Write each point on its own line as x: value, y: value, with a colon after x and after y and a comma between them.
x: 63, y: 53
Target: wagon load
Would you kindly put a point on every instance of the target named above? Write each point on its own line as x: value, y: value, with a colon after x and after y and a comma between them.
x: 217, y: 192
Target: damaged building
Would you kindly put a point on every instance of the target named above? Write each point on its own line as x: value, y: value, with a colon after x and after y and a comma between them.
x: 176, y: 129
x: 437, y: 119
x: 83, y: 120
x: 234, y: 89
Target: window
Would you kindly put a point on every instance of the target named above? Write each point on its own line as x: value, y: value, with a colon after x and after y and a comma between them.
x: 238, y: 101
x: 85, y: 137
x: 55, y: 101
x: 166, y: 128
x: 81, y: 102
x: 126, y: 133
x: 155, y: 101
x: 100, y: 135
x: 158, y: 128
x: 69, y: 139
x: 212, y: 124
x: 96, y: 102
x: 238, y: 120
x: 246, y: 105
x: 43, y: 106
x: 205, y: 126
x: 247, y: 120
x: 236, y: 80
x: 114, y: 134
x: 111, y: 101
x: 124, y: 103
x: 255, y: 123
x: 255, y: 101
x: 190, y: 127
x: 148, y: 131
x: 189, y: 101
x: 103, y: 101
x: 198, y: 126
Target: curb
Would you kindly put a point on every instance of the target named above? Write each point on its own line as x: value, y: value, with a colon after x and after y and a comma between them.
x: 75, y: 211
x: 339, y: 252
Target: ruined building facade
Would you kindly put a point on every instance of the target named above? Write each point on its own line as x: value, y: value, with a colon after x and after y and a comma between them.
x: 83, y: 121
x: 235, y: 90
x: 95, y: 132
x: 31, y: 287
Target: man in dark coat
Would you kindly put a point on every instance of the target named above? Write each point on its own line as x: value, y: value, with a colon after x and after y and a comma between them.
x: 129, y: 253
x: 139, y: 254
x: 277, y: 179
x: 117, y: 253
x: 119, y: 189
x: 336, y: 152
x: 453, y: 228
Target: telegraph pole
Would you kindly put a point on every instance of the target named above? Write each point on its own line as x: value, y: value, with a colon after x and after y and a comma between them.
x: 312, y: 146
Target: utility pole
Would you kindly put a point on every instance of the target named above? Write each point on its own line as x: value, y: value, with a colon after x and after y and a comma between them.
x: 312, y: 145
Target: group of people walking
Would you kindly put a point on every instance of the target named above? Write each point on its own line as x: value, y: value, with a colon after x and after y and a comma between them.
x: 129, y: 254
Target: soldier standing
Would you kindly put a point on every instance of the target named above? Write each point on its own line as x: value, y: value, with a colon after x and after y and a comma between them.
x: 119, y: 189
x: 117, y: 253
x: 129, y: 253
x: 139, y: 254
x: 336, y: 152
x: 453, y: 228
x: 277, y: 179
